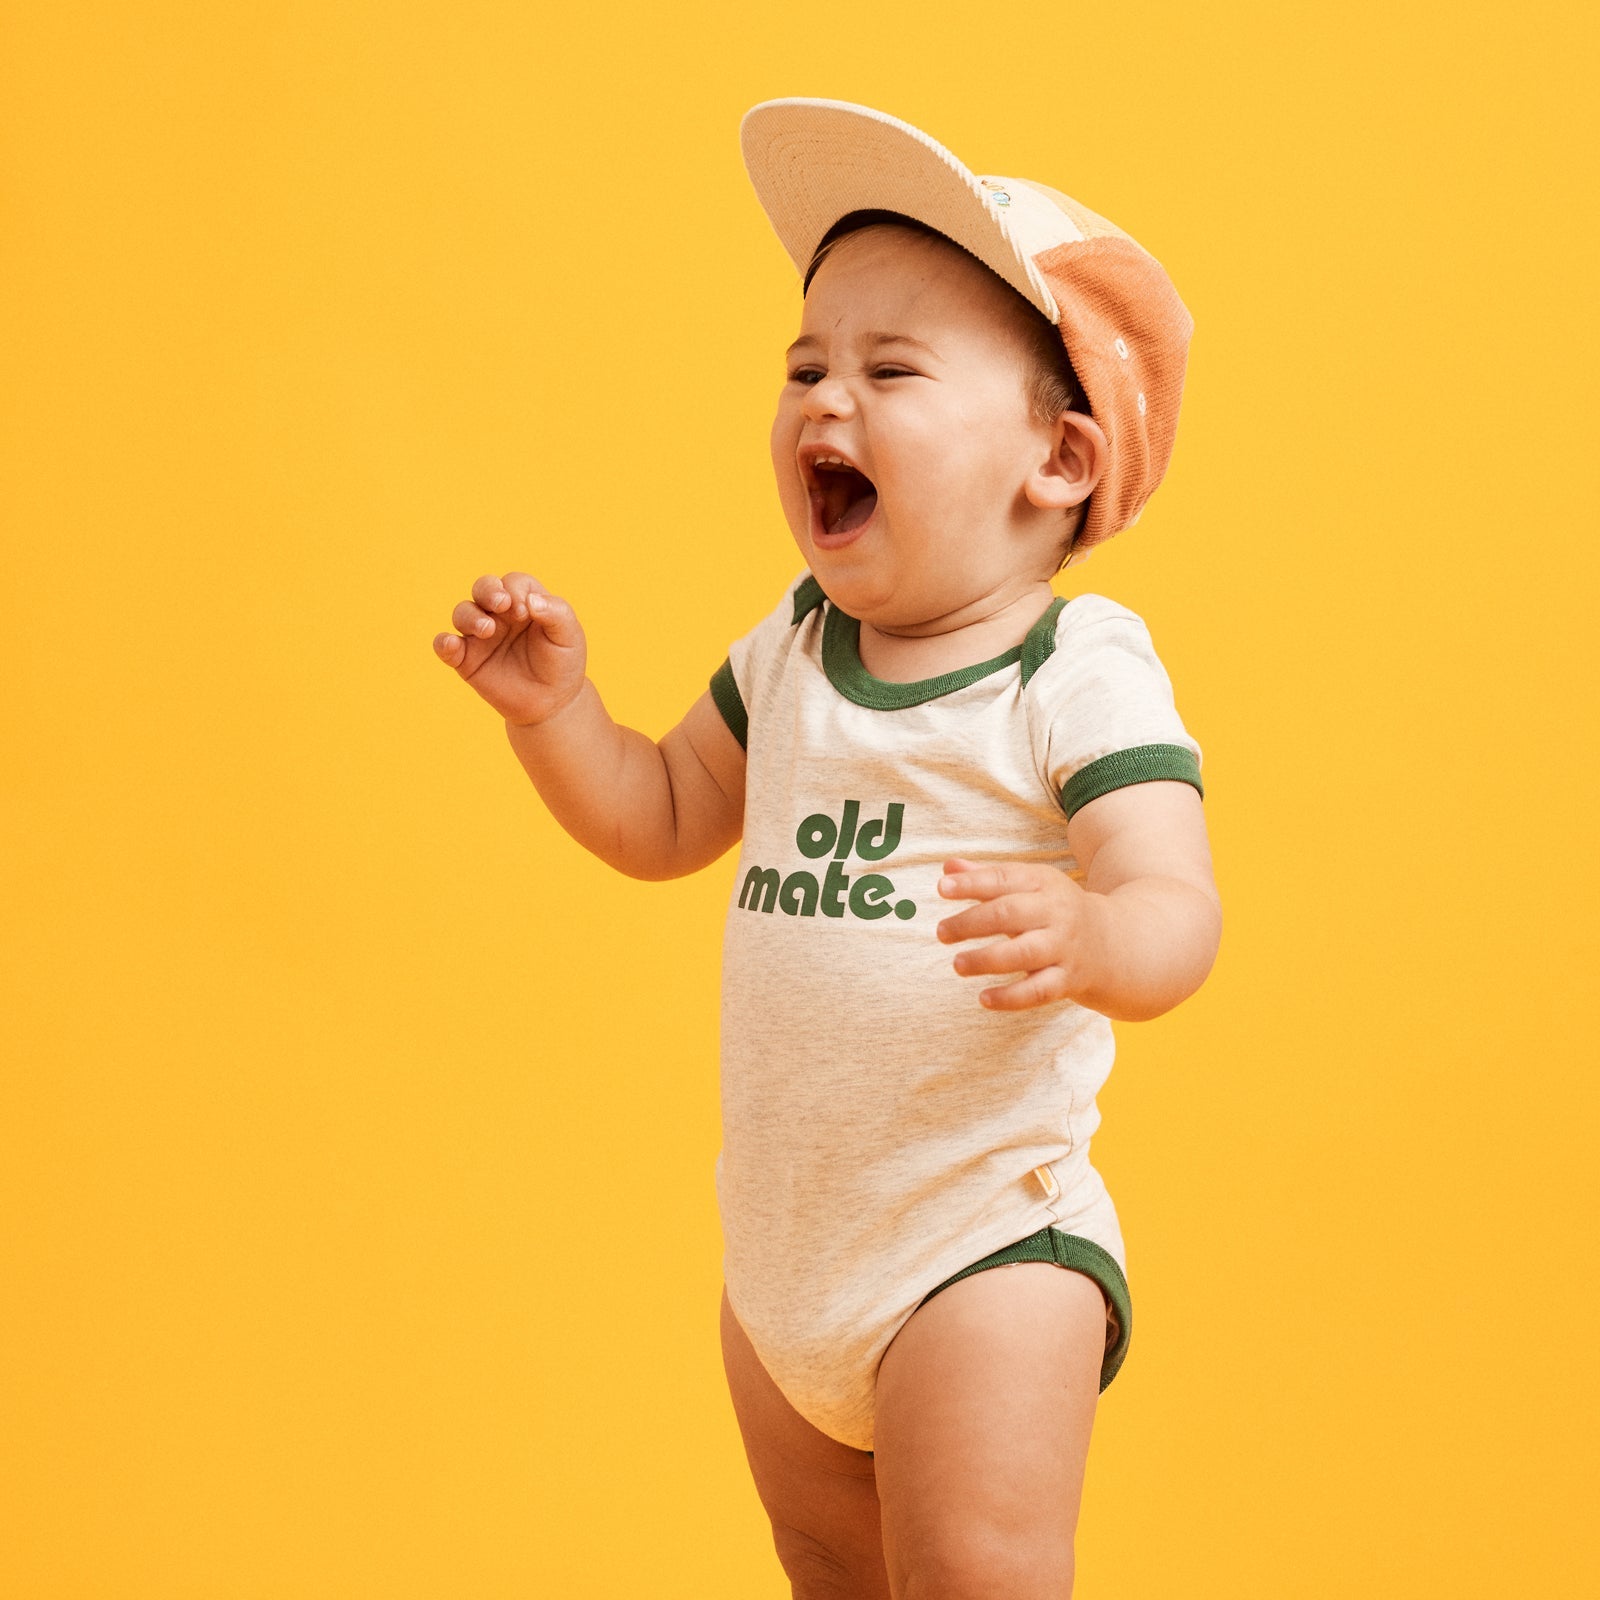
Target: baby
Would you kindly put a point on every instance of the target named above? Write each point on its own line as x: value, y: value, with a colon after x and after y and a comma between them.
x: 986, y: 383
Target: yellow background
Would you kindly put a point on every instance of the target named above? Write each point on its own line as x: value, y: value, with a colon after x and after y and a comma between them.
x: 359, y: 1235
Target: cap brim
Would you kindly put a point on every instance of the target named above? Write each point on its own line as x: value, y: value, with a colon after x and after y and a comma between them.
x: 815, y: 161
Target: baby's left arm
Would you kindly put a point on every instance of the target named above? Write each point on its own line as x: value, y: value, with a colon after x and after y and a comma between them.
x: 1135, y: 938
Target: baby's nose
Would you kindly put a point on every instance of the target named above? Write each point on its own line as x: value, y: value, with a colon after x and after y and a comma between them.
x: 828, y: 397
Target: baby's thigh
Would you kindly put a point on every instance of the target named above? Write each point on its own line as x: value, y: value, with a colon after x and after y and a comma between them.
x: 985, y: 1403
x: 820, y: 1494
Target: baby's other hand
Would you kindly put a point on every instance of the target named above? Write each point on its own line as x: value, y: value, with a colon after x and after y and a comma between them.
x: 1047, y: 925
x: 518, y: 645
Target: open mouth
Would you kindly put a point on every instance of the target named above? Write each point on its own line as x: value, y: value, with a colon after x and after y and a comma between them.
x: 843, y: 499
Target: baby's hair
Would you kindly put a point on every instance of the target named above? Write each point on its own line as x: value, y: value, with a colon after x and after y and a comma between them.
x: 1052, y: 385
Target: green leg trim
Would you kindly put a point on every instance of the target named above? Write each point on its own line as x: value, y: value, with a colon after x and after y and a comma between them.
x: 1080, y: 1255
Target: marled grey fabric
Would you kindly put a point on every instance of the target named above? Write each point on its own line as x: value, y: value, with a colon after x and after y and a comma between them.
x: 880, y: 1127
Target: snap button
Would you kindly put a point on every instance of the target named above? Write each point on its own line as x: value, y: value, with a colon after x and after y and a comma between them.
x: 1122, y: 348
x: 1141, y: 402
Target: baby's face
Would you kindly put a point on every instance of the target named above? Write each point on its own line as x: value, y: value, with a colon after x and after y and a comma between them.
x: 911, y: 367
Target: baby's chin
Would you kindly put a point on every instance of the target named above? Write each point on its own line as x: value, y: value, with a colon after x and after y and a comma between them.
x: 882, y: 600
x: 872, y: 580
x: 850, y: 577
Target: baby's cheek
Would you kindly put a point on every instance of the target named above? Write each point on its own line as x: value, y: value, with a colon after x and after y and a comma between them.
x: 785, y: 442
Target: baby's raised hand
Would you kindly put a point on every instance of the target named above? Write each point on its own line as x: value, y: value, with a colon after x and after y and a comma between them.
x: 1048, y: 927
x: 518, y: 645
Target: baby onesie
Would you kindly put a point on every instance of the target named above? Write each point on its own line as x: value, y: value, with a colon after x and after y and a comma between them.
x: 881, y: 1129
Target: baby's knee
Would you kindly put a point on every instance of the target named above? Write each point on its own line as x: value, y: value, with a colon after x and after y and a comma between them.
x: 818, y: 1572
x: 984, y: 1564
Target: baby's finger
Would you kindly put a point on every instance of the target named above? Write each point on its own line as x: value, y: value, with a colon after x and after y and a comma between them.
x: 521, y: 586
x: 1013, y: 913
x: 556, y: 618
x: 468, y: 619
x: 1037, y: 989
x: 1028, y: 952
x: 966, y: 880
x: 490, y: 593
x: 450, y: 647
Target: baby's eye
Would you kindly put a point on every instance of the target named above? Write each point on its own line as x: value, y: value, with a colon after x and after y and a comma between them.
x: 814, y: 375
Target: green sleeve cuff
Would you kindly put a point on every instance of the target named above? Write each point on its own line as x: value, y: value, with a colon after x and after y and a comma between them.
x: 1138, y: 764
x: 725, y: 692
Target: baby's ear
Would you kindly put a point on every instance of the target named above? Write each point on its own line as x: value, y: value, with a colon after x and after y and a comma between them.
x: 1078, y: 455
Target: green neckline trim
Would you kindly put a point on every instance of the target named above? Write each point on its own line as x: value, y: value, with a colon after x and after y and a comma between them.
x: 808, y: 596
x: 1040, y: 643
x: 841, y: 660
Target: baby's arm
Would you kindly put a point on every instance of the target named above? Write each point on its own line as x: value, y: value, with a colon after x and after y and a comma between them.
x: 1138, y: 936
x: 650, y: 810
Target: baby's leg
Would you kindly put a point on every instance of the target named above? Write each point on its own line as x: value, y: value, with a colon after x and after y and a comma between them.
x: 985, y: 1401
x: 818, y: 1492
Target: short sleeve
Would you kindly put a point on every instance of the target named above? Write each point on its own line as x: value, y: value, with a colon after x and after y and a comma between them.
x: 1101, y: 709
x: 736, y: 686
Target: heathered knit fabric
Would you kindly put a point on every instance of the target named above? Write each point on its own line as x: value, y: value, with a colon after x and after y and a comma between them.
x: 880, y: 1127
